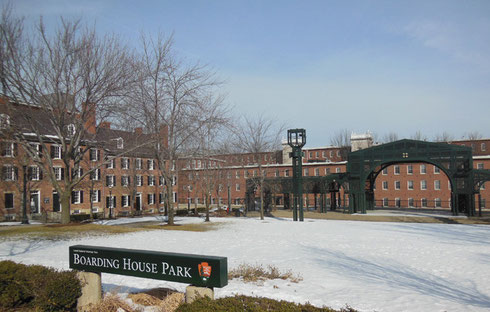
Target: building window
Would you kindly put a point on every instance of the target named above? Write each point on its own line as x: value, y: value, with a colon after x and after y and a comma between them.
x: 327, y: 171
x: 59, y: 173
x: 138, y: 163
x: 110, y: 164
x: 483, y: 147
x: 385, y: 202
x: 337, y: 170
x: 151, y: 164
x: 139, y: 180
x: 482, y: 186
x: 385, y: 185
x: 174, y: 196
x: 483, y: 203
x: 94, y: 154
x: 34, y: 173
x: 120, y: 143
x: 110, y: 180
x: 125, y: 180
x: 237, y: 174
x: 410, y: 202
x: 4, y: 121
x: 479, y: 166
x: 9, y: 173
x: 151, y: 180
x: 385, y: 171
x: 311, y: 154
x: 423, y: 202
x: 397, y: 169
x: 286, y: 173
x: 410, y: 185
x: 125, y: 200
x: 423, y: 185
x: 437, y: 170
x: 55, y: 151
x: 397, y: 185
x: 110, y: 201
x: 317, y: 172
x: 437, y: 203
x: 124, y: 163
x: 423, y: 169
x: 237, y: 187
x: 77, y: 197
x: 9, y: 200
x: 174, y: 180
x: 398, y: 202
x: 8, y: 149
x: 95, y: 196
x: 437, y: 185
x: 410, y: 169
x: 306, y: 172
x: 95, y: 175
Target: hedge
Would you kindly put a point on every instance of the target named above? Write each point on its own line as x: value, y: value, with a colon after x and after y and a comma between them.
x: 34, y: 286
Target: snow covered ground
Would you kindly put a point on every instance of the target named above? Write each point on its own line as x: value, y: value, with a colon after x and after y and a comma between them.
x: 371, y: 266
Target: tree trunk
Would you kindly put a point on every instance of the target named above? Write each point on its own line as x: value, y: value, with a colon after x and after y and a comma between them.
x: 65, y: 207
x: 207, y: 209
x: 261, y: 203
x: 170, y: 204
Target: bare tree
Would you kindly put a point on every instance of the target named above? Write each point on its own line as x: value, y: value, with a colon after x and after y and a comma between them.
x: 419, y: 136
x: 341, y: 138
x: 443, y: 137
x: 258, y: 137
x: 390, y: 137
x: 472, y: 135
x: 68, y: 79
x: 173, y: 101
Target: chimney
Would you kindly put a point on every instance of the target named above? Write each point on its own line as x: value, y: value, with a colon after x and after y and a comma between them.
x: 88, y: 113
x: 138, y: 130
x: 105, y: 125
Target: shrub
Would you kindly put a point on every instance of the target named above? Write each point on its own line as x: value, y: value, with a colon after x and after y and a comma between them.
x: 254, y: 273
x: 42, y: 288
x: 252, y: 304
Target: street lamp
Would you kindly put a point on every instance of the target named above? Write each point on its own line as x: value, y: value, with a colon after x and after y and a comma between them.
x: 297, y: 139
x: 111, y: 203
x: 25, y: 220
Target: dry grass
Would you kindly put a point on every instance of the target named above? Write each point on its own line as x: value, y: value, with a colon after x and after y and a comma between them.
x: 193, y: 227
x: 113, y: 303
x: 257, y: 273
x: 58, y: 231
x: 164, y: 300
x: 334, y: 215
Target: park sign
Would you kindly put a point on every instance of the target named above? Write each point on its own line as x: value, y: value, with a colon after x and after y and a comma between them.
x: 197, y: 270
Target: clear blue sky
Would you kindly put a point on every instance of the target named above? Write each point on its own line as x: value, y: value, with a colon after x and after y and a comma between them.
x: 382, y: 66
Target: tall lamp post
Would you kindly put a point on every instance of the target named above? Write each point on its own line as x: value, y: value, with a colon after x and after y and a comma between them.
x: 25, y: 220
x: 297, y: 139
x: 111, y: 203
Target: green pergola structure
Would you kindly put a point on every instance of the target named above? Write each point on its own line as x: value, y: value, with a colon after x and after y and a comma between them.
x: 365, y: 165
x: 454, y: 160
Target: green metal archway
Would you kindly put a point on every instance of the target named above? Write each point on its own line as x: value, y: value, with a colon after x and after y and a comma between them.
x: 454, y: 160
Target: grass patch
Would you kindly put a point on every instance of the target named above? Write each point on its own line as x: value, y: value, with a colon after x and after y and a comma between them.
x: 245, y: 303
x: 257, y: 273
x: 335, y: 215
x: 59, y: 231
x: 192, y: 227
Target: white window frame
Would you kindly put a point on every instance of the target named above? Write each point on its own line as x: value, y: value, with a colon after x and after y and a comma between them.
x: 396, y: 170
x: 139, y: 180
x: 4, y: 121
x: 9, y: 149
x: 423, y: 202
x: 237, y: 187
x: 409, y: 169
x: 385, y: 185
x: 77, y: 199
x: 125, y: 163
x: 151, y: 164
x: 57, y: 151
x: 437, y: 185
x: 480, y: 166
x: 112, y: 179
x: 385, y: 202
x: 125, y: 201
x: 151, y: 180
x: 95, y: 198
x: 57, y: 173
x: 138, y: 164
x: 423, y: 169
x: 410, y: 185
x: 94, y: 154
x: 397, y: 185
x: 124, y: 180
x: 110, y: 164
x: 437, y: 170
x: 35, y: 173
x: 437, y: 203
x: 410, y: 202
x: 423, y: 185
x: 384, y: 171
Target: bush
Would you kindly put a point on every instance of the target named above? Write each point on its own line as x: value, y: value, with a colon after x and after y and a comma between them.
x: 255, y: 273
x: 46, y: 289
x: 252, y: 304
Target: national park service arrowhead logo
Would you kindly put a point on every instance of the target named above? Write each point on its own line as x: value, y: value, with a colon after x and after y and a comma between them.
x: 204, y: 271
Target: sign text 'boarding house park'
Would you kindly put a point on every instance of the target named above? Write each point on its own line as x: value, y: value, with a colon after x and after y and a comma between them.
x: 197, y: 270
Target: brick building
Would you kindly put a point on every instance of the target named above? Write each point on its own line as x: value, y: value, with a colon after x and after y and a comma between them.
x: 131, y: 183
x: 119, y: 185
